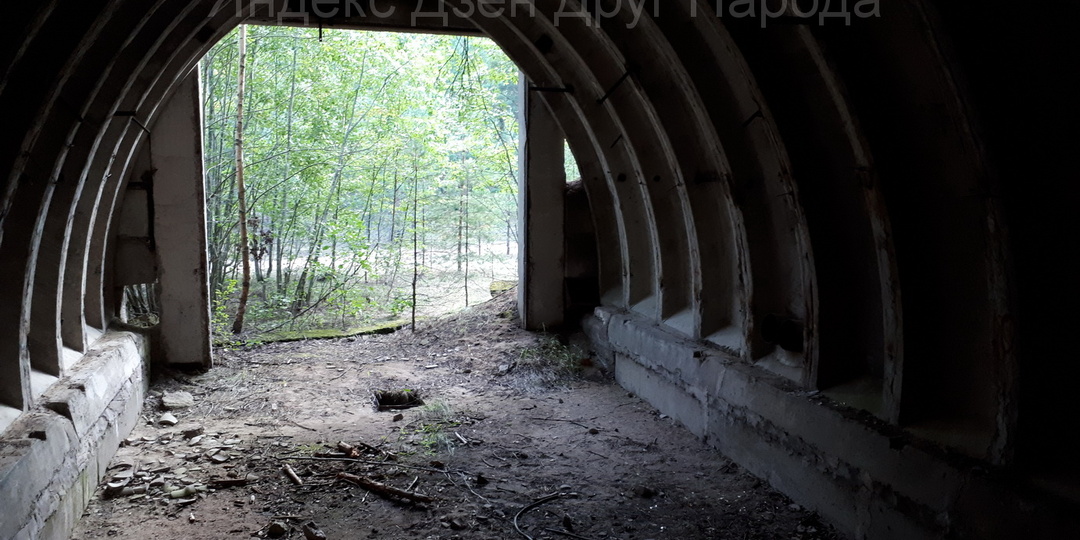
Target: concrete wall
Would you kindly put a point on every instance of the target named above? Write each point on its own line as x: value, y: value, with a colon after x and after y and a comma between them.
x: 52, y: 457
x: 869, y: 478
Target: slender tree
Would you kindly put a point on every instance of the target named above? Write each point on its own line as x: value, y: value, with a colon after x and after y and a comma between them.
x: 241, y: 191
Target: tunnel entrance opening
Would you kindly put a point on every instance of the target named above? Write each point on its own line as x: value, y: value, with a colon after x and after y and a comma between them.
x: 381, y: 175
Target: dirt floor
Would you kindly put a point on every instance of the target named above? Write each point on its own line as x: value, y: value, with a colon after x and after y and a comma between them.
x: 519, y: 437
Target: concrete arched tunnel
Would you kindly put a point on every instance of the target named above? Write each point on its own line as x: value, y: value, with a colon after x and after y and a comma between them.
x: 831, y: 240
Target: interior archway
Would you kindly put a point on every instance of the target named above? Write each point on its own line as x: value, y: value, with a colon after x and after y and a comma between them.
x: 781, y: 206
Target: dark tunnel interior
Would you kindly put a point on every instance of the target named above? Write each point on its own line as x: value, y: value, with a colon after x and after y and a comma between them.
x: 832, y: 243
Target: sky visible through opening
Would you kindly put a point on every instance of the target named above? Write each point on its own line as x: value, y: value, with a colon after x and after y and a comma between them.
x: 370, y: 159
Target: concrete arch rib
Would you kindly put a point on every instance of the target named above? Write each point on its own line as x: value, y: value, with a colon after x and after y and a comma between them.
x: 714, y: 228
x: 949, y: 249
x: 172, y: 54
x: 31, y: 181
x: 78, y: 93
x: 780, y: 280
x: 86, y: 165
x: 858, y: 345
x: 659, y: 175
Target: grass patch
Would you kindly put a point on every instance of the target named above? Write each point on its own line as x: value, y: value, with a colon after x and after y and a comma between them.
x: 429, y: 430
x: 547, y: 365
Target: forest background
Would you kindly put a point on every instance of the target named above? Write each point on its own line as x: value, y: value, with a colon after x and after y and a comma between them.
x: 379, y: 176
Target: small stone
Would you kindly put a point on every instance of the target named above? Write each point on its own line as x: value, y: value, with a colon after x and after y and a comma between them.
x: 312, y: 532
x: 456, y: 521
x: 191, y: 432
x: 645, y: 492
x: 167, y: 419
x: 593, y: 431
x: 177, y: 400
x: 276, y: 529
x: 398, y: 417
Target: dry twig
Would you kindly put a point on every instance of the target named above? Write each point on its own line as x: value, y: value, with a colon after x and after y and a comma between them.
x: 383, y: 489
x: 529, y: 507
x: 288, y: 470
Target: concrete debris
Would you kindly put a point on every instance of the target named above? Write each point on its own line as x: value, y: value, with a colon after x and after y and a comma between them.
x: 192, y: 432
x: 457, y: 522
x: 177, y: 400
x: 276, y: 529
x: 167, y: 419
x: 312, y: 532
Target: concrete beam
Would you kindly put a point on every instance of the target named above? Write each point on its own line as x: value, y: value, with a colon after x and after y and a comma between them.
x: 541, y: 209
x: 871, y: 480
x: 179, y: 227
x: 52, y: 457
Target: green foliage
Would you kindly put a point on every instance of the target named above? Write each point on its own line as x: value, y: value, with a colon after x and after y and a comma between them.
x: 430, y: 428
x: 549, y: 364
x: 365, y: 153
x: 221, y: 312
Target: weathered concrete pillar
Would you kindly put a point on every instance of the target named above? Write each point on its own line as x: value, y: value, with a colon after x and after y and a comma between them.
x: 179, y: 228
x: 541, y: 194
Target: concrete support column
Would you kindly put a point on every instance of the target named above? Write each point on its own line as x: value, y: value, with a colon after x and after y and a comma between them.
x: 179, y: 228
x: 541, y: 206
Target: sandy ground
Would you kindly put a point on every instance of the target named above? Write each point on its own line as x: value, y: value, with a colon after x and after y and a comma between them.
x: 515, y: 428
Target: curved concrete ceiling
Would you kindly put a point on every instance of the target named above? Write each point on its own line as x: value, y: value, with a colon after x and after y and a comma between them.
x: 824, y: 186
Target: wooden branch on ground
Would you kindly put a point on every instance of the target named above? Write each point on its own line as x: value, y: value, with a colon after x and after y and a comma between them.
x: 365, y: 461
x: 288, y: 470
x: 575, y: 422
x: 356, y: 451
x: 383, y: 489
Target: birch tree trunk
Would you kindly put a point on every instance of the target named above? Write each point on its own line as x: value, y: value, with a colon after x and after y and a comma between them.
x: 241, y: 192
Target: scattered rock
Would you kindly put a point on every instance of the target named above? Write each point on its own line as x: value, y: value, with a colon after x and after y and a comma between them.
x: 645, y: 492
x: 191, y: 432
x: 168, y: 419
x: 276, y: 529
x: 177, y: 400
x: 312, y: 532
x: 568, y: 523
x: 457, y: 522
x: 398, y: 417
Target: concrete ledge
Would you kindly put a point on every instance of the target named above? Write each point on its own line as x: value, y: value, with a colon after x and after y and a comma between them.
x: 52, y: 457
x: 870, y: 479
